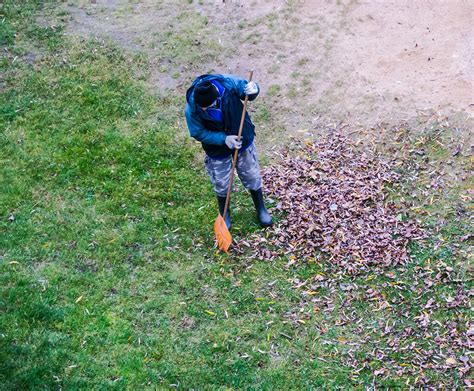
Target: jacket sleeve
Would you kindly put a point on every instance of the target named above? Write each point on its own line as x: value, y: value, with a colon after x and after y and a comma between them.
x: 200, y: 133
x: 239, y: 85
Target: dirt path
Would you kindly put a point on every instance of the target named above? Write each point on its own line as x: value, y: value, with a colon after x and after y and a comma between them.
x: 317, y: 61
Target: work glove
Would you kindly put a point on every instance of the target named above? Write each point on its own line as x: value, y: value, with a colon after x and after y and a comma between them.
x: 251, y: 88
x: 232, y: 143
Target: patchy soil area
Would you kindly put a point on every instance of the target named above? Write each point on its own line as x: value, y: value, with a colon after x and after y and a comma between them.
x: 360, y: 63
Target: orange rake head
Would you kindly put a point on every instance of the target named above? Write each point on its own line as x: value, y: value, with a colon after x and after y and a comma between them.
x: 223, y: 236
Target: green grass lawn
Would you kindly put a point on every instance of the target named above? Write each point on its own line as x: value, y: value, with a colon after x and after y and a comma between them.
x: 108, y: 273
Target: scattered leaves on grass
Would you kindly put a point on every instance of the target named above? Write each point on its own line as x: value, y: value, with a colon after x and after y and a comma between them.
x: 388, y: 319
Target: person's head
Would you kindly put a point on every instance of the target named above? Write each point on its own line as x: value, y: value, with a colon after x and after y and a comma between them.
x: 205, y: 94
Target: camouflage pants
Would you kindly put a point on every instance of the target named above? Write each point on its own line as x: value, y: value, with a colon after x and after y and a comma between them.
x: 247, y: 166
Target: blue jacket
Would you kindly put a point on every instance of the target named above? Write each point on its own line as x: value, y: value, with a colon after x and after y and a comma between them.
x: 211, y: 132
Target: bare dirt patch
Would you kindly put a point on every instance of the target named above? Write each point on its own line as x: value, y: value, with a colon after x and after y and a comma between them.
x: 317, y: 61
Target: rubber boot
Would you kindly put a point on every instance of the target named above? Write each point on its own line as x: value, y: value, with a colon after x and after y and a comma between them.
x: 263, y: 216
x: 221, y: 202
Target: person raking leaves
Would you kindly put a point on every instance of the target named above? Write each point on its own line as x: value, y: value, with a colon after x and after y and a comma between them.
x: 214, y: 110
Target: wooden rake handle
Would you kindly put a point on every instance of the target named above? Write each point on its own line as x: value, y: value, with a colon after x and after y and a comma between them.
x: 236, y: 153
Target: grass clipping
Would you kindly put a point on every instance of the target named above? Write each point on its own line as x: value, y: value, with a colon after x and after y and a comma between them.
x: 332, y: 199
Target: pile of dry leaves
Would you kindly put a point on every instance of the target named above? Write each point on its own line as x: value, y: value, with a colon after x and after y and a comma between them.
x: 333, y: 201
x: 411, y: 323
